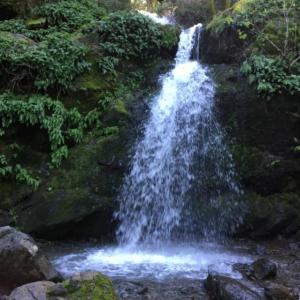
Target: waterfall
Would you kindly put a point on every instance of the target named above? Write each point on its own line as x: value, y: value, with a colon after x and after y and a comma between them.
x: 181, y: 164
x: 181, y: 182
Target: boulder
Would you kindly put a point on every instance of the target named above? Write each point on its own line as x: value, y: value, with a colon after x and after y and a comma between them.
x: 225, y: 288
x: 81, y: 286
x: 271, y: 216
x: 261, y: 269
x: 264, y: 269
x: 21, y: 260
x: 80, y: 195
x: 32, y: 291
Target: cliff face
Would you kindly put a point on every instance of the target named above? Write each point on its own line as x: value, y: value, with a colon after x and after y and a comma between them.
x: 263, y: 136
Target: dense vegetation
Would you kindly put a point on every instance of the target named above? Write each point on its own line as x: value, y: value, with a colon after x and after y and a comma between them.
x: 271, y: 37
x: 50, y: 51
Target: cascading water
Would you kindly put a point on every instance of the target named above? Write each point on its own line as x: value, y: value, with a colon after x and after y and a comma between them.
x: 181, y: 166
x: 182, y: 148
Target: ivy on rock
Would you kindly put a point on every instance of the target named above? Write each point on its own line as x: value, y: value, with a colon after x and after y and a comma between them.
x: 63, y: 127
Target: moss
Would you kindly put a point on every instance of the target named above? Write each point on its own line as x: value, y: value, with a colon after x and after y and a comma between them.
x: 35, y: 23
x: 120, y: 107
x: 241, y: 6
x: 98, y: 288
x: 91, y: 81
x: 80, y: 187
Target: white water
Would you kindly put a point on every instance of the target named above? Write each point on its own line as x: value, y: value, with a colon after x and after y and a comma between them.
x: 180, y: 161
x: 193, y: 262
x: 182, y: 147
x: 156, y: 18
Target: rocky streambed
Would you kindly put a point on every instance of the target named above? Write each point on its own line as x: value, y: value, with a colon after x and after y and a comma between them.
x: 269, y: 270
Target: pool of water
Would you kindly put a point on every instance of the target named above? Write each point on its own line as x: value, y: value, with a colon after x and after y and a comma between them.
x: 159, y: 263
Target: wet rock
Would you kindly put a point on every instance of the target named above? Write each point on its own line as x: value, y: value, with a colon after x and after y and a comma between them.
x: 21, y: 260
x: 270, y: 216
x: 279, y: 292
x: 261, y: 269
x: 264, y: 269
x: 167, y: 289
x: 225, y: 288
x: 224, y: 48
x: 32, y: 291
x: 262, y: 147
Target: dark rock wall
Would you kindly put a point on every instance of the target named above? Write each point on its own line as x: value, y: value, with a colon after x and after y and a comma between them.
x: 262, y: 135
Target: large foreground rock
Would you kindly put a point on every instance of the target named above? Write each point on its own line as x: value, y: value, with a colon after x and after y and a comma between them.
x: 225, y: 288
x: 21, y: 260
x: 36, y: 290
x: 81, y: 286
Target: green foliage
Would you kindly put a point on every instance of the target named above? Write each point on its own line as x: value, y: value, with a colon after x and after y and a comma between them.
x: 270, y: 76
x: 17, y: 171
x: 70, y: 15
x: 271, y: 36
x: 219, y: 23
x: 13, y: 26
x: 56, y: 61
x: 130, y: 35
x: 41, y: 54
x: 297, y: 149
x: 62, y: 126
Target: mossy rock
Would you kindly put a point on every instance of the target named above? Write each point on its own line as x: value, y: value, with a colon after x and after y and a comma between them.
x: 89, y: 285
x: 84, y: 187
x: 81, y: 286
x: 270, y: 216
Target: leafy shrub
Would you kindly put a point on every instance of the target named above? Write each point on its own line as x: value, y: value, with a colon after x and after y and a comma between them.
x: 61, y: 125
x: 18, y: 172
x: 130, y: 35
x: 13, y: 26
x: 271, y: 35
x: 270, y: 76
x: 70, y: 15
x: 56, y: 61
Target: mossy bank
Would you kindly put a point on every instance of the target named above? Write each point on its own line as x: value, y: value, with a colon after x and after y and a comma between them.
x: 72, y: 90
